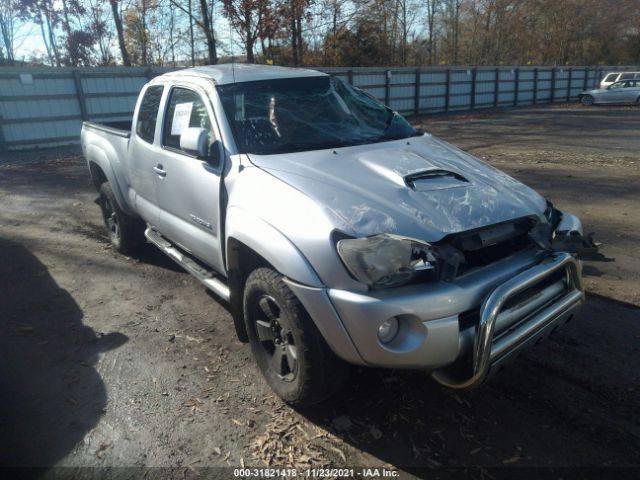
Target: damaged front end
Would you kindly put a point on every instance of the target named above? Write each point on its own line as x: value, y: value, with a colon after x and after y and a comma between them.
x: 555, y: 231
x: 563, y: 233
x: 528, y: 306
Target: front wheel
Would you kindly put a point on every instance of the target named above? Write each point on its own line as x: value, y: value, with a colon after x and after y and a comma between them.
x: 587, y: 100
x: 290, y: 351
x: 125, y: 232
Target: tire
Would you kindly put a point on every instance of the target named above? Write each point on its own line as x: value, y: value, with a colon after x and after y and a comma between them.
x: 125, y: 232
x: 587, y: 100
x: 291, y: 353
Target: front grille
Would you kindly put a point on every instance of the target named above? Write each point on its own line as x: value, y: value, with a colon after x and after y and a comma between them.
x: 487, y: 255
x: 525, y: 295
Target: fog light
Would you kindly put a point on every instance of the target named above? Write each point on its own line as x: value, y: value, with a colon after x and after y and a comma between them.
x: 388, y: 330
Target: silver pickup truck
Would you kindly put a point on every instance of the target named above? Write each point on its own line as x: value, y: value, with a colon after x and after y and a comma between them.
x: 337, y: 232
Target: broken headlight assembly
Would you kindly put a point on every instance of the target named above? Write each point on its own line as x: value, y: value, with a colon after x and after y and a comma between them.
x: 386, y: 260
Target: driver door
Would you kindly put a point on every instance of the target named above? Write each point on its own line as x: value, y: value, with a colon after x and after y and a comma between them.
x: 188, y: 188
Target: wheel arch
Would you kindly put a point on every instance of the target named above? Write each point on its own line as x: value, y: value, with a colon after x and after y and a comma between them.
x: 253, y: 243
x: 101, y: 171
x: 97, y: 174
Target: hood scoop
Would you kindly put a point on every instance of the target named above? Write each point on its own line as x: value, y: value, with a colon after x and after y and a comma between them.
x: 436, y: 179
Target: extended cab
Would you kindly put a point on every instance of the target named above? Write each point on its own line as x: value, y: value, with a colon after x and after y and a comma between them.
x: 338, y: 233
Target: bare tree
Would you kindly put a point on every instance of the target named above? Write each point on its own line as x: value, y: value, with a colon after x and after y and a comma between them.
x: 247, y: 18
x: 8, y: 22
x: 117, y: 19
x: 432, y: 8
x: 205, y: 23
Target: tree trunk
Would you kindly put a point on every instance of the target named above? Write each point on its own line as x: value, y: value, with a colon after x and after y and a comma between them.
x: 294, y: 34
x: 249, y: 36
x: 118, y: 21
x: 208, y: 33
x: 299, y: 33
x: 67, y: 29
x: 44, y: 38
x: 52, y: 38
x: 7, y: 39
x: 143, y: 15
x: 193, y: 55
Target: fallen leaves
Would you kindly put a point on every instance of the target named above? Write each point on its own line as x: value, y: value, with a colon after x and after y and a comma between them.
x: 289, y: 441
x: 193, y: 404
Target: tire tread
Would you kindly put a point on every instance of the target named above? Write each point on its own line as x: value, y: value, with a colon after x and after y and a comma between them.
x: 323, y: 372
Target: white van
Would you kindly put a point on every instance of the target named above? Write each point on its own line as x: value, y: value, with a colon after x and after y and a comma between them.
x: 613, y: 77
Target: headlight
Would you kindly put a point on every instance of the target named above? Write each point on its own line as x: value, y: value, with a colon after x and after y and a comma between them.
x: 387, y: 260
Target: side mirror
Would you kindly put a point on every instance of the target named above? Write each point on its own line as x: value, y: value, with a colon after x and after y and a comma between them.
x: 214, y: 155
x: 194, y: 141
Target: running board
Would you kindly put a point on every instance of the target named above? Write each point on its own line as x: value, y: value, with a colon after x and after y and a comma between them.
x: 205, y: 276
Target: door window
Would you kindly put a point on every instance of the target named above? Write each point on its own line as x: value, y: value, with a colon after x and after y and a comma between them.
x: 186, y: 109
x: 148, y: 113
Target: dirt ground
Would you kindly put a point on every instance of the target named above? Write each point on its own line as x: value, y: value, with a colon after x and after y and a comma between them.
x: 110, y: 361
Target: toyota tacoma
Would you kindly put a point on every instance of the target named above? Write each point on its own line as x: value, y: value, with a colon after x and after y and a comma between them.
x: 337, y: 233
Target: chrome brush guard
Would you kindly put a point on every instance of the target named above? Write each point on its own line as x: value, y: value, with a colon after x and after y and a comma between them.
x: 489, y: 351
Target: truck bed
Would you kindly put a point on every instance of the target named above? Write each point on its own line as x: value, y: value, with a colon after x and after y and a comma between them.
x: 122, y: 128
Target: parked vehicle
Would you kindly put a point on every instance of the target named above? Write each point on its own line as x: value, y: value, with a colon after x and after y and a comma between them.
x: 613, y: 77
x: 338, y: 233
x: 624, y: 91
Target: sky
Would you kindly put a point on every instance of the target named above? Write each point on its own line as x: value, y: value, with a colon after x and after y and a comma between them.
x: 28, y: 40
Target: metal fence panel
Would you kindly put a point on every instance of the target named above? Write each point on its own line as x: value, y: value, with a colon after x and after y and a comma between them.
x: 42, y: 107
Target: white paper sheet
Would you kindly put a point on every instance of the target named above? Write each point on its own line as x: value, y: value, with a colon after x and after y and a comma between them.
x: 181, y: 117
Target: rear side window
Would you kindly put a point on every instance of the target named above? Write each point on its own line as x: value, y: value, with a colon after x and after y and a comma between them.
x: 148, y: 113
x: 185, y: 110
x: 611, y: 77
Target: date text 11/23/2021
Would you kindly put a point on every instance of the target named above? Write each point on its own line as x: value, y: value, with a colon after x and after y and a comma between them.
x: 315, y: 473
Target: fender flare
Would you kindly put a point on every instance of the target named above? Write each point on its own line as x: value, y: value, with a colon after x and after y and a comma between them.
x: 281, y: 253
x: 98, y: 157
x: 268, y: 242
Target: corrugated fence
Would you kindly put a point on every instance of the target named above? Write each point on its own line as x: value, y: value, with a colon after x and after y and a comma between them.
x: 42, y: 107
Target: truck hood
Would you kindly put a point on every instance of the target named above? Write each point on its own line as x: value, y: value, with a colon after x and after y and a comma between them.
x: 419, y: 187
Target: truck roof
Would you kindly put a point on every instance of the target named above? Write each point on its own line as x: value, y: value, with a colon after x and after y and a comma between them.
x: 241, y: 72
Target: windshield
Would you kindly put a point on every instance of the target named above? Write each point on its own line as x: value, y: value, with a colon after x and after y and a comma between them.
x: 298, y: 114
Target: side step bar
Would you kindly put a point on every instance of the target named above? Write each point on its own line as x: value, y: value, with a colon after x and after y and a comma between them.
x: 205, y: 276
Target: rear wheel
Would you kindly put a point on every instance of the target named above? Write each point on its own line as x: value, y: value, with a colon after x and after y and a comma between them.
x: 290, y: 351
x: 125, y: 232
x: 587, y: 100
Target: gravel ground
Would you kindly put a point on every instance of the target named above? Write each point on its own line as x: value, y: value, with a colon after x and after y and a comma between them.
x: 111, y: 361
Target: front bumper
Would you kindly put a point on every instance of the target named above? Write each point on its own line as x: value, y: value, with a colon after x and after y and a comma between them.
x: 520, y: 299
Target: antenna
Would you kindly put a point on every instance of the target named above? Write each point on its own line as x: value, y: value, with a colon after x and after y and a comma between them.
x: 233, y: 62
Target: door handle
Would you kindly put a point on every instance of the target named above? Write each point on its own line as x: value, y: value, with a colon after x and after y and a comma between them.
x: 158, y: 169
